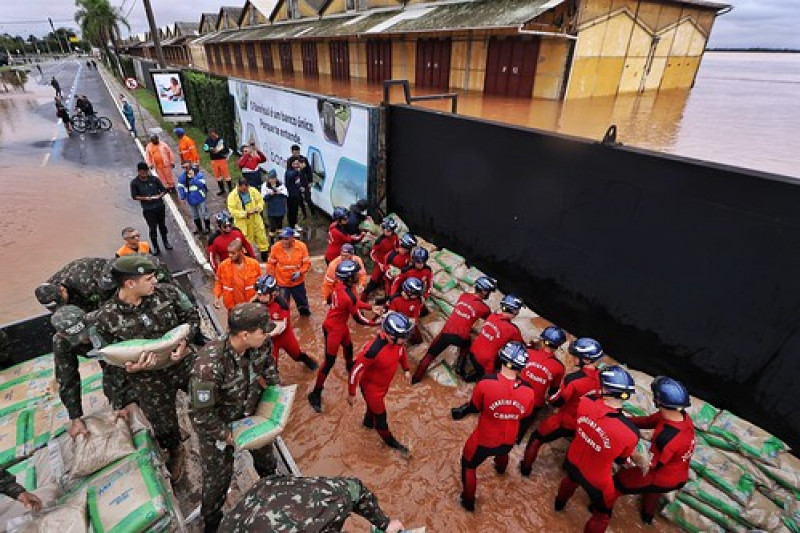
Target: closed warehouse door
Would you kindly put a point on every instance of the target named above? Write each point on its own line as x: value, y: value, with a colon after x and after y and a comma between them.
x: 379, y: 61
x: 285, y: 51
x: 310, y: 66
x: 218, y: 55
x: 250, y: 51
x: 340, y: 60
x: 266, y: 57
x: 210, y: 55
x: 226, y: 51
x: 433, y: 63
x: 511, y: 67
x: 237, y: 53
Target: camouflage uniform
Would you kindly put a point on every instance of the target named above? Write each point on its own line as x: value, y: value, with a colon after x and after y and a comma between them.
x: 153, y: 390
x: 9, y: 485
x: 307, y: 504
x: 226, y: 387
x: 83, y: 279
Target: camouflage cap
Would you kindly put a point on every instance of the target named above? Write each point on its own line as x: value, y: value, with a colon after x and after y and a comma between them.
x: 133, y: 264
x: 69, y: 320
x: 48, y: 295
x: 249, y: 317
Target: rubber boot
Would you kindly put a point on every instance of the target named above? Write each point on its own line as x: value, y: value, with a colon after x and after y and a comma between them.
x: 207, y: 223
x: 221, y: 185
x: 229, y: 183
x: 393, y: 443
x: 369, y: 421
x: 468, y: 505
x: 154, y: 249
x: 272, y: 236
x: 315, y: 399
x: 264, y: 257
x: 167, y: 245
x: 306, y: 360
x: 198, y: 224
x: 176, y: 463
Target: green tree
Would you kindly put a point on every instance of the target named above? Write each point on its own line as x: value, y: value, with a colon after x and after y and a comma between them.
x: 100, y: 22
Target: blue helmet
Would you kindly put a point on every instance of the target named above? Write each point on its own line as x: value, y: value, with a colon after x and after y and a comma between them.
x: 348, y: 248
x: 266, y: 285
x: 178, y: 131
x: 397, y: 325
x: 586, y: 349
x: 223, y: 218
x: 287, y: 232
x: 389, y: 223
x: 339, y: 213
x: 511, y: 304
x: 554, y: 336
x: 413, y: 287
x: 486, y: 284
x: 408, y: 241
x: 514, y: 355
x: 669, y: 393
x: 616, y: 382
x: 419, y: 255
x: 347, y: 270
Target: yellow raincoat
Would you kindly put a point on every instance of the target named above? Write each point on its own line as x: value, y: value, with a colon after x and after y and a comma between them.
x: 251, y: 225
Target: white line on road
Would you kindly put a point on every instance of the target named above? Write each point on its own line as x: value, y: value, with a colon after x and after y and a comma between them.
x: 45, y: 159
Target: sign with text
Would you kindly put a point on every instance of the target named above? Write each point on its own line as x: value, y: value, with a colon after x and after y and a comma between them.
x: 169, y: 91
x: 333, y: 135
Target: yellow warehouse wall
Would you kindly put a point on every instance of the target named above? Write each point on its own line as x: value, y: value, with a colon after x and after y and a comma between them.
x: 324, y: 58
x: 307, y: 10
x: 358, y: 59
x: 403, y: 58
x: 550, y: 69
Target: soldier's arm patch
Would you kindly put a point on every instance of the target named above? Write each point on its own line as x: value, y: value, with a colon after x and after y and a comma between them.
x: 203, y: 394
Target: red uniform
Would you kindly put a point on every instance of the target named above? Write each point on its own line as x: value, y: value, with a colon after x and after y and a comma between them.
x: 396, y: 259
x: 424, y: 274
x: 502, y: 403
x: 336, y: 238
x: 412, y: 308
x: 380, y: 249
x: 286, y: 341
x: 603, y: 436
x: 218, y: 248
x: 543, y: 373
x: 495, y: 333
x: 456, y: 331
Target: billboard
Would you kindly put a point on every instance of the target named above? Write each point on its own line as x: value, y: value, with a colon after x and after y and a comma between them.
x: 168, y: 86
x: 334, y: 136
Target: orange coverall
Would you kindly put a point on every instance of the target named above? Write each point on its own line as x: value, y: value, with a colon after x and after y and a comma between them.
x: 236, y: 284
x: 188, y: 150
x: 159, y: 156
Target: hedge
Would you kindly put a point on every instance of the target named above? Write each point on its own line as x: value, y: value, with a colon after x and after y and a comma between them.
x: 210, y: 104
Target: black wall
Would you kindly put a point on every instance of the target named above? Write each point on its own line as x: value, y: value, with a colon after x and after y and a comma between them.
x: 678, y: 267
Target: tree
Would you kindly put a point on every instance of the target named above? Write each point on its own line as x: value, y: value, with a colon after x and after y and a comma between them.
x: 99, y: 22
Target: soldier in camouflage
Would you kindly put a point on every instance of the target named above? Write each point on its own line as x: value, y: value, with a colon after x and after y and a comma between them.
x: 12, y: 489
x: 141, y: 309
x: 228, y: 378
x: 307, y: 504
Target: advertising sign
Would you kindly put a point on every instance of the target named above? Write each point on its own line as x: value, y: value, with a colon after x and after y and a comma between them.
x: 333, y: 135
x: 169, y: 91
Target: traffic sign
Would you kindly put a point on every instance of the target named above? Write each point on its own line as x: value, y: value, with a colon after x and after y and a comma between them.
x: 131, y: 83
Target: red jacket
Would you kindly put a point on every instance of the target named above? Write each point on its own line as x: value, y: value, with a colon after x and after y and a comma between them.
x: 575, y: 386
x: 395, y: 259
x: 376, y: 366
x: 495, y: 333
x: 336, y: 238
x: 672, y: 447
x: 468, y: 309
x: 278, y: 310
x: 424, y: 274
x: 502, y: 402
x: 344, y: 304
x: 218, y: 248
x: 382, y: 246
x: 411, y: 307
x: 543, y: 373
x: 250, y: 162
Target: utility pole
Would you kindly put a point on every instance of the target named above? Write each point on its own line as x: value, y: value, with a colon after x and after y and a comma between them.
x: 56, y: 34
x: 154, y: 34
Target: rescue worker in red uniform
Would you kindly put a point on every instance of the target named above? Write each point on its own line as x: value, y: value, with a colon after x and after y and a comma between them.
x: 409, y: 302
x: 470, y: 307
x: 396, y: 261
x: 587, y: 354
x: 337, y: 236
x: 417, y: 269
x: 283, y: 337
x: 343, y: 304
x: 603, y: 436
x: 385, y: 243
x: 502, y: 400
x: 495, y: 333
x: 218, y: 243
x: 672, y: 446
x: 543, y: 372
x: 374, y: 371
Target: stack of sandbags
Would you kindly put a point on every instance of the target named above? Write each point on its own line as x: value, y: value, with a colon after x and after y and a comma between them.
x: 271, y: 416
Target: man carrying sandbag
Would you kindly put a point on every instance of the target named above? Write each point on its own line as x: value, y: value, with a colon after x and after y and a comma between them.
x: 228, y: 378
x: 141, y: 309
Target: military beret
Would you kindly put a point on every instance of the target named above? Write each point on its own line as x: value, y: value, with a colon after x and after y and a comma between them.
x: 48, y: 295
x: 133, y: 264
x: 249, y: 317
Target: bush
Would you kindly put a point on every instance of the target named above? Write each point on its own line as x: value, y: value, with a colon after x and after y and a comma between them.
x: 210, y: 104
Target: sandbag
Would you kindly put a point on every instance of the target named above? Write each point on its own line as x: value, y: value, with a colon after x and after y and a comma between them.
x: 445, y: 308
x: 716, y: 441
x: 448, y: 259
x: 14, y: 437
x: 401, y: 226
x: 108, y: 441
x: 130, y: 351
x: 127, y: 497
x: 369, y: 227
x: 25, y: 472
x: 93, y: 400
x: 527, y: 328
x: 761, y: 513
x: 43, y: 363
x: 719, y: 470
x: 702, y: 413
x: 269, y: 420
x: 786, y: 473
x: 443, y: 374
x: 698, y: 517
x: 27, y: 391
x: 707, y: 493
x: 443, y: 282
x: 67, y: 518
x: 431, y: 328
x: 470, y: 276
x: 451, y: 296
x: 750, y: 439
x: 640, y: 403
x: 429, y: 246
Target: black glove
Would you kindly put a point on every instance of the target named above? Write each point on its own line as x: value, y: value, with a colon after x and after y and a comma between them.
x: 460, y: 412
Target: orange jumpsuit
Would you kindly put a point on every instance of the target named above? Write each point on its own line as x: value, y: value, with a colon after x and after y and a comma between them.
x: 188, y: 150
x: 237, y: 283
x: 159, y: 156
x: 329, y: 283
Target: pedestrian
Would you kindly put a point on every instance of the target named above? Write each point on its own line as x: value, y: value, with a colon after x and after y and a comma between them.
x: 605, y: 437
x: 356, y: 214
x: 348, y: 253
x: 88, y: 65
x: 587, y: 354
x: 39, y: 69
x: 226, y: 233
x: 386, y: 242
x: 236, y: 278
x: 336, y: 235
x: 149, y: 190
x: 374, y: 371
x: 133, y: 243
x: 15, y: 491
x: 57, y: 86
x: 63, y: 114
x: 288, y: 263
x: 275, y: 194
x: 249, y: 163
x: 294, y: 186
x: 306, y: 173
x: 79, y: 283
x: 187, y: 148
x: 494, y: 334
x: 502, y: 400
x: 283, y: 337
x: 142, y: 309
x: 470, y: 307
x: 671, y: 447
x: 286, y: 503
x: 192, y: 189
x: 343, y: 304
x: 227, y: 381
x: 94, y: 64
x: 396, y: 261
x: 160, y: 158
x: 219, y: 152
x: 246, y: 205
x: 417, y: 268
x: 409, y: 302
x: 127, y: 111
x: 544, y: 373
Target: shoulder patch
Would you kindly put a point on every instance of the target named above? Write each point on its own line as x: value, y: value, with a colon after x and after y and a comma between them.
x: 626, y: 421
x: 374, y: 349
x: 664, y: 437
x: 203, y: 394
x: 574, y: 376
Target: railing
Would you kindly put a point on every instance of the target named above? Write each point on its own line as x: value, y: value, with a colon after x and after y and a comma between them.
x: 388, y: 84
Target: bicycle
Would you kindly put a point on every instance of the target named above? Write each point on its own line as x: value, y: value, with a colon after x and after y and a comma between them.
x: 92, y: 124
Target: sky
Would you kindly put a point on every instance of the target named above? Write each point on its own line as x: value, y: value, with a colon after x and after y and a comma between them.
x: 752, y: 23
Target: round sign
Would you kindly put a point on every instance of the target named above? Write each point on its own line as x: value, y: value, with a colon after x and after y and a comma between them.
x: 131, y: 83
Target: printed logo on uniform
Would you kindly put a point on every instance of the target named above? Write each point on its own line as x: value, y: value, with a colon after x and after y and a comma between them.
x: 203, y: 396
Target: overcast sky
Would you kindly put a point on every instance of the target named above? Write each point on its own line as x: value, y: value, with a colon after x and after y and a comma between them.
x: 766, y: 23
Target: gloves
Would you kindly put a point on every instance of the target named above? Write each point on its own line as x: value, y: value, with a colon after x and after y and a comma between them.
x: 460, y: 412
x: 295, y: 276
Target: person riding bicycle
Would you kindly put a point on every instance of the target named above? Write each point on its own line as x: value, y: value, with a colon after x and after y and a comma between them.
x: 87, y: 110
